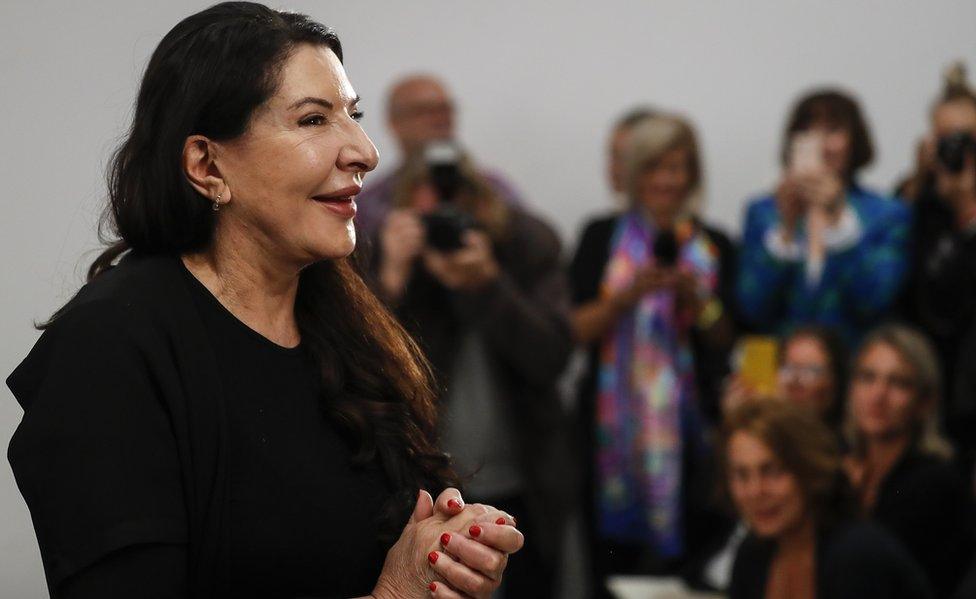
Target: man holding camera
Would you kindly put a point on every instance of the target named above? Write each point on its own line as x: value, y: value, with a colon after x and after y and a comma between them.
x: 941, y: 293
x: 419, y: 111
x: 477, y: 282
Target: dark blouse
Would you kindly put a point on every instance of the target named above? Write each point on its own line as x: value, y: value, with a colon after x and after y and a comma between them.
x: 105, y: 460
x: 924, y: 504
x: 853, y: 561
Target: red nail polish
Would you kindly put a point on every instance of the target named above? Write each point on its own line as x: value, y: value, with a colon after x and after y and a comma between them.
x: 454, y: 504
x: 475, y: 530
x: 500, y: 522
x: 445, y: 539
x: 432, y: 586
x: 432, y: 556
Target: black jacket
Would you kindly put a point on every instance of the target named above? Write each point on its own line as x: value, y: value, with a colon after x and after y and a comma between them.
x: 132, y: 396
x: 852, y: 561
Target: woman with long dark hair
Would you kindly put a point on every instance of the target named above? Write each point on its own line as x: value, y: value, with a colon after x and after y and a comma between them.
x: 225, y: 409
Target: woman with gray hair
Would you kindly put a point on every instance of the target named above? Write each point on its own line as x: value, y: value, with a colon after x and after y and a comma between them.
x: 899, y: 463
x: 650, y: 288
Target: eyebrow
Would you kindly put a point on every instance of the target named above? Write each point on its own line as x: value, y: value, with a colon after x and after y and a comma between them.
x: 320, y: 101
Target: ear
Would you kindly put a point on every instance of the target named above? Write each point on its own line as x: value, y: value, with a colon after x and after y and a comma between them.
x: 201, y: 169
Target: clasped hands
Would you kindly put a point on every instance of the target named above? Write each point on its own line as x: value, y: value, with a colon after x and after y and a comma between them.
x: 449, y: 550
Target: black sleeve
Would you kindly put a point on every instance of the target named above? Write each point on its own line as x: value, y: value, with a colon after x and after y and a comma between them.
x: 592, y: 253
x: 144, y: 571
x: 95, y: 455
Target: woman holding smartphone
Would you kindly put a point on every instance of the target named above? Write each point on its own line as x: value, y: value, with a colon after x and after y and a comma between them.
x: 822, y: 249
x: 649, y: 286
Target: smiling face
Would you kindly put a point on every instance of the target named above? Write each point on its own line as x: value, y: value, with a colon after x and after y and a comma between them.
x: 292, y: 175
x: 883, y: 394
x: 766, y: 495
x: 663, y: 186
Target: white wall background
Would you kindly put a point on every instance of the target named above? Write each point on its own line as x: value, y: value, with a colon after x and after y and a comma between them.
x: 538, y: 85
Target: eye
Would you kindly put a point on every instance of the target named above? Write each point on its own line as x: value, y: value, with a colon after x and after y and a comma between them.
x: 357, y: 115
x: 312, y: 121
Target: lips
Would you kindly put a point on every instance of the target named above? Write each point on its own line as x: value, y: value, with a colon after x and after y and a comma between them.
x: 341, y: 202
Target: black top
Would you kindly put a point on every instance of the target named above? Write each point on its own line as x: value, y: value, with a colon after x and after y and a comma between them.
x: 923, y: 503
x: 167, y: 450
x: 940, y: 298
x: 852, y: 561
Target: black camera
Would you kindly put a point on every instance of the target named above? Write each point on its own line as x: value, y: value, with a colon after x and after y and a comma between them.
x: 665, y: 248
x: 952, y: 150
x: 447, y: 224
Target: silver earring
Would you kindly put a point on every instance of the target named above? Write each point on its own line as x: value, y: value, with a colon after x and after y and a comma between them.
x: 216, y: 204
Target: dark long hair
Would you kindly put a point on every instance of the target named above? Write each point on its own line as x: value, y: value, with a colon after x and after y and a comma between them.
x: 207, y: 76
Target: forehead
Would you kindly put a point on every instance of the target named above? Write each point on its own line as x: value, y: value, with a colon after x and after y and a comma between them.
x: 881, y: 356
x: 420, y: 91
x: 805, y: 347
x: 746, y: 448
x: 314, y: 71
x: 959, y: 114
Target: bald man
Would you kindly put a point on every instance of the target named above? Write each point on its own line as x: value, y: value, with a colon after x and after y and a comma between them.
x: 420, y: 110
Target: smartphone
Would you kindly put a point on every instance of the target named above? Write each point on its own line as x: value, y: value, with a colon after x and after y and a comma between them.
x: 806, y: 153
x: 758, y: 363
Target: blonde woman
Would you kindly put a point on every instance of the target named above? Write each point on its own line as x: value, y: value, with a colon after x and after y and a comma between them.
x: 649, y: 288
x: 899, y: 464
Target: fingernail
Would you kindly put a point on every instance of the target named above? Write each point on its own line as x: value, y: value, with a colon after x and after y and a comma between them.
x: 445, y: 539
x: 514, y: 521
x: 475, y: 530
x: 432, y: 586
x: 454, y: 504
x: 500, y: 521
x: 432, y: 556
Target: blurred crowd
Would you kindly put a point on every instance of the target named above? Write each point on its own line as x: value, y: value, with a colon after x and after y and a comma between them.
x: 790, y: 414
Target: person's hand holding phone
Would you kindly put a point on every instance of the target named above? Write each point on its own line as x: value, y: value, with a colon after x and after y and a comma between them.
x: 648, y: 278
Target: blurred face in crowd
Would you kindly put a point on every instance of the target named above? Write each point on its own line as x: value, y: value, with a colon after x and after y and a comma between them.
x: 767, y: 496
x: 805, y: 376
x: 292, y: 174
x: 952, y: 117
x: 663, y: 186
x: 949, y: 117
x: 837, y: 145
x: 616, y: 159
x: 424, y: 198
x: 883, y: 395
x: 421, y: 111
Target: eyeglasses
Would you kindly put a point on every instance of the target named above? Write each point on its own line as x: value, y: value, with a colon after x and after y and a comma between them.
x: 805, y: 374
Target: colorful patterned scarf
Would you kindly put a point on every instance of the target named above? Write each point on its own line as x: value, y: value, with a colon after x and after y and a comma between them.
x: 646, y: 399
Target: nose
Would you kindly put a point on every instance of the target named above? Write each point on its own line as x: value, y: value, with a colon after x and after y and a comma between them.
x: 358, y: 154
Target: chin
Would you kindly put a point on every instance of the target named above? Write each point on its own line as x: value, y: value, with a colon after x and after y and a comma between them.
x: 768, y: 530
x: 335, y: 248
